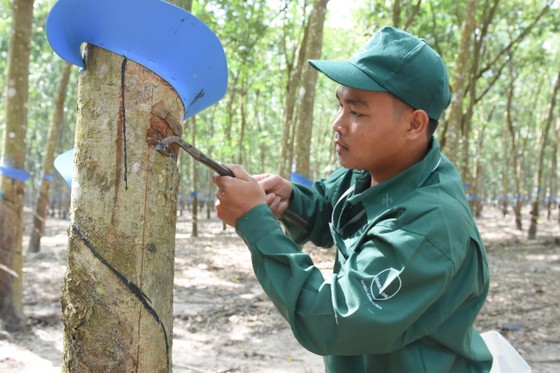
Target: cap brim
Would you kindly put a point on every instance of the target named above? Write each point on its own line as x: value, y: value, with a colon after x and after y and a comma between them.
x: 346, y: 74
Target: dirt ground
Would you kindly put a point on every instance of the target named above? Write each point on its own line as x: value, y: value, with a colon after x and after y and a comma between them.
x: 225, y: 323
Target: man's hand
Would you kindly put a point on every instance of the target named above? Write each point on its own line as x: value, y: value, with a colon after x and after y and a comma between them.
x: 236, y: 196
x: 278, y: 192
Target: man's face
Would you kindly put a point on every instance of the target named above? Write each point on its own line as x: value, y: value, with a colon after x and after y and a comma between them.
x: 370, y: 132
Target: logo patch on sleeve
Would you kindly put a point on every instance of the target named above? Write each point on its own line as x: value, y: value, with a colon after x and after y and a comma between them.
x: 386, y: 284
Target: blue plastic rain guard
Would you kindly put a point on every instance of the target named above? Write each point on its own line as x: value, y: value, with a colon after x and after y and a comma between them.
x: 300, y: 179
x: 160, y: 36
x: 64, y: 164
x: 15, y: 173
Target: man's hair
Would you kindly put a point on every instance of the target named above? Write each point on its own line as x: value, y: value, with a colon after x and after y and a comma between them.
x: 400, y: 107
x: 432, y: 126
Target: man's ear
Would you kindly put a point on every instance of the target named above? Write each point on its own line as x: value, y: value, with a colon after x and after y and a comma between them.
x: 418, y: 123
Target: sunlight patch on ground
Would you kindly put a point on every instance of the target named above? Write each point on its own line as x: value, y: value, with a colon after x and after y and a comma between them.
x: 19, y: 360
x: 202, y: 276
x: 544, y: 258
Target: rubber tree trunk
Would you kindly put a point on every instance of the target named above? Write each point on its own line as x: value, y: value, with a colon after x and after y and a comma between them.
x: 52, y: 139
x: 516, y: 150
x: 305, y: 103
x: 195, y: 184
x: 450, y: 140
x: 117, y: 296
x: 535, y: 210
x: 13, y: 155
x: 294, y: 82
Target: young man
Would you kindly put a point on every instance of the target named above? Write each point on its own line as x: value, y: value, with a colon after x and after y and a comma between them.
x: 411, y: 274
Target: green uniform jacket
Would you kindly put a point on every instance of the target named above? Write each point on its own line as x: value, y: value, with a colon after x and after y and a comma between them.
x: 410, y: 278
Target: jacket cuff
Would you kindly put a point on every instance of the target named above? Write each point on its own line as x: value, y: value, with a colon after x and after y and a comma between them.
x: 256, y: 223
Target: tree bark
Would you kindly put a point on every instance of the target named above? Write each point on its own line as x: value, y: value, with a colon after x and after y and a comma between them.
x: 294, y: 79
x: 195, y: 184
x: 306, y: 95
x: 397, y: 13
x: 13, y: 155
x: 117, y: 296
x: 477, y: 188
x: 452, y: 130
x: 532, y: 234
x: 554, y: 182
x: 515, y: 153
x: 52, y: 140
x: 504, y: 201
x: 470, y: 99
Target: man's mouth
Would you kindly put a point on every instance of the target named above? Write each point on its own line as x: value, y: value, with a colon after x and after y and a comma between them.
x: 340, y: 146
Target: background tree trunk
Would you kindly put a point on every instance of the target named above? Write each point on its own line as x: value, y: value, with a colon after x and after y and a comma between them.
x: 52, y: 140
x: 290, y: 112
x: 398, y: 13
x: 195, y: 182
x: 516, y: 152
x: 554, y: 182
x: 306, y: 95
x: 13, y: 155
x: 532, y: 234
x: 504, y: 197
x: 452, y: 130
x: 470, y: 100
x: 185, y: 4
x: 117, y: 295
x: 477, y: 199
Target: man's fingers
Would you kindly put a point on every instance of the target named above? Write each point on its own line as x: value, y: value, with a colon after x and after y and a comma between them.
x: 239, y: 172
x: 276, y: 204
x: 269, y: 182
x: 261, y: 177
x: 270, y: 198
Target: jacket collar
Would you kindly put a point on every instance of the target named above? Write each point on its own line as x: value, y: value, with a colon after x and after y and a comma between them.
x: 387, y: 194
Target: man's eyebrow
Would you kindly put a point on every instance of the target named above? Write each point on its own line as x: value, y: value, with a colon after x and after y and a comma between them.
x: 352, y: 100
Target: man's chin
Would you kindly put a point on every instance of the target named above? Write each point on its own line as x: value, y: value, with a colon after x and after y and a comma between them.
x: 344, y: 163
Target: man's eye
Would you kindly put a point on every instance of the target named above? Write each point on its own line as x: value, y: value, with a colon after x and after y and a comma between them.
x: 354, y: 114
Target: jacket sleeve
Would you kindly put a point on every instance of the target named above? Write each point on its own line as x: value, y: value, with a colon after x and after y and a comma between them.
x: 314, y: 205
x: 314, y: 208
x: 373, y: 305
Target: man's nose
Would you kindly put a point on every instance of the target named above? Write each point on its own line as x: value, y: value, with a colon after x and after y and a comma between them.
x: 338, y: 124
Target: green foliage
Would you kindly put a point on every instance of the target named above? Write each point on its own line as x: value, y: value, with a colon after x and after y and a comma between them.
x: 261, y: 38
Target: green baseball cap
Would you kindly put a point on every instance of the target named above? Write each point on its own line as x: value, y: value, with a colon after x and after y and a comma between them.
x: 397, y: 62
